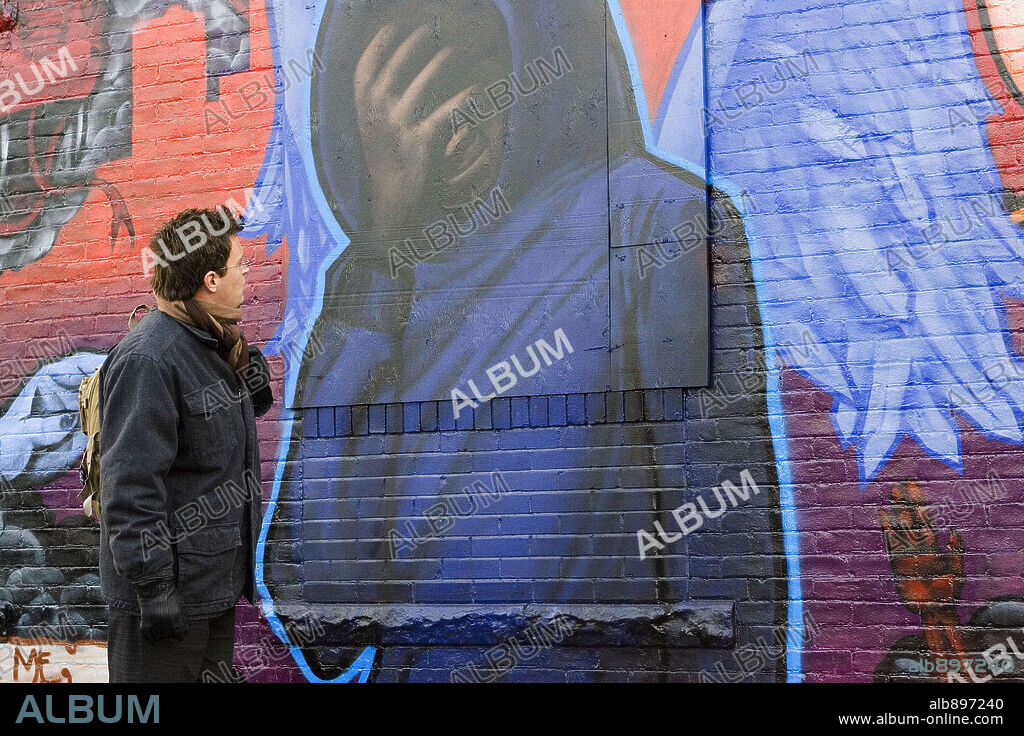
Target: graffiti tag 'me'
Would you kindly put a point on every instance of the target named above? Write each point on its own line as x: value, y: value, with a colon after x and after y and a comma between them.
x: 35, y: 663
x: 504, y: 379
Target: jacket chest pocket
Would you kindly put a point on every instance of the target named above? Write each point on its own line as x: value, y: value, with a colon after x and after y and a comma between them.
x: 214, y: 421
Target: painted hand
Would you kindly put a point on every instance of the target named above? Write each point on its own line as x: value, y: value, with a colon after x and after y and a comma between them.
x: 404, y: 144
x: 928, y: 576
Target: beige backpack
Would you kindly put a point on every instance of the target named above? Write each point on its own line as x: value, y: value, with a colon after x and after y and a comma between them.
x: 89, y: 419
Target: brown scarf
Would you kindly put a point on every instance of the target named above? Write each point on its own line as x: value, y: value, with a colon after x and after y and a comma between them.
x: 221, y: 322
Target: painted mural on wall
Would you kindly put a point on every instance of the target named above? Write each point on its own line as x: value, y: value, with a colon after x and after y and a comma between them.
x: 488, y: 240
x: 532, y: 308
x: 66, y: 106
x: 467, y: 149
x: 882, y: 197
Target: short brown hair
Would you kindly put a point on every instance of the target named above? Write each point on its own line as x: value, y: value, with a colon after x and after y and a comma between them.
x: 181, y: 266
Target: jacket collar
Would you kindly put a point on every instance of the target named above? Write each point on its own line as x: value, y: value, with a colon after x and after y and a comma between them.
x: 202, y: 335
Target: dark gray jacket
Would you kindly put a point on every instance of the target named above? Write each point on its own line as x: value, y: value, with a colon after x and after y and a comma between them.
x: 179, y: 468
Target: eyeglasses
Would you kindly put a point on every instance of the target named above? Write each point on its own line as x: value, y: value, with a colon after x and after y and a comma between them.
x: 244, y: 263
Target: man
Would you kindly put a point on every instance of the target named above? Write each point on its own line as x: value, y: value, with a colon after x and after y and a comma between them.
x: 180, y: 462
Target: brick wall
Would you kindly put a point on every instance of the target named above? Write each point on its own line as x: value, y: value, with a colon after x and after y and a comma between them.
x: 862, y: 337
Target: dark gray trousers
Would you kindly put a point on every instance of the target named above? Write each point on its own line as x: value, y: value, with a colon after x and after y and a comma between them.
x: 204, y: 656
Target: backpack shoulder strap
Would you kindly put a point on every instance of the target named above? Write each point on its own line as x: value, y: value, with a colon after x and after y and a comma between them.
x: 89, y: 403
x: 133, y: 319
x: 89, y: 420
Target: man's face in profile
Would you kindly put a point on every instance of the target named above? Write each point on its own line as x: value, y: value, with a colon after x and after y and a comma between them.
x: 230, y: 290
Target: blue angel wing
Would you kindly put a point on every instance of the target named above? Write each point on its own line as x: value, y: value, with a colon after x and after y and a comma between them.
x: 873, y: 206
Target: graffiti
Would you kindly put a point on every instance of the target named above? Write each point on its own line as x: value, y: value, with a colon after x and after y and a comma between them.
x: 415, y: 170
x: 67, y: 111
x: 991, y: 28
x: 52, y: 661
x: 842, y: 269
x: 936, y: 236
x: 52, y: 144
x: 45, y: 71
x: 994, y: 378
x: 755, y: 92
x: 258, y: 93
x: 407, y: 125
x: 795, y: 263
x: 974, y: 114
x: 731, y: 389
x: 809, y: 346
x: 13, y: 372
x: 8, y: 15
x: 686, y: 237
x: 868, y: 249
x: 45, y: 637
x: 39, y: 426
x: 502, y: 95
x: 659, y: 254
x: 947, y: 510
x: 930, y: 578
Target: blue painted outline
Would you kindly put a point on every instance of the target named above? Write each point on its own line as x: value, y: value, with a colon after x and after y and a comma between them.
x: 673, y: 79
x: 776, y: 419
x: 363, y: 664
x: 360, y: 669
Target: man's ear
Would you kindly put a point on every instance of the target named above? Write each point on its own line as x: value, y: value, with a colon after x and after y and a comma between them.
x: 210, y: 281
